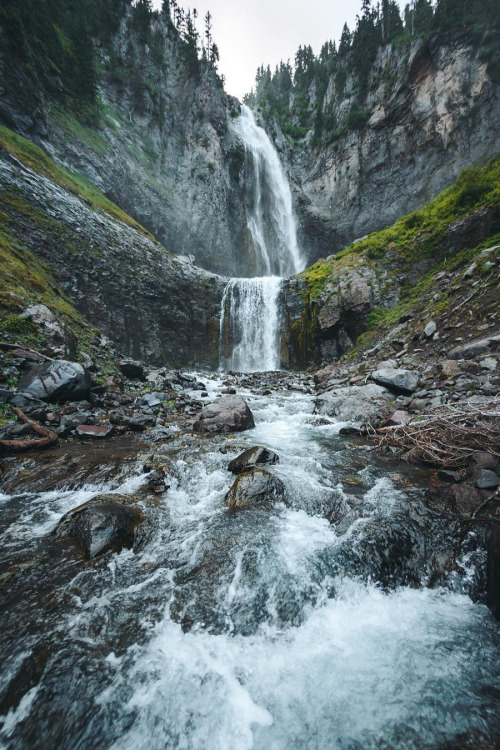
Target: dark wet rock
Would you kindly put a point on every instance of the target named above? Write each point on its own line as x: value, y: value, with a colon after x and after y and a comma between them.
x: 458, y: 499
x: 99, y: 432
x: 5, y: 396
x: 107, y: 523
x: 446, y: 475
x: 350, y: 432
x: 485, y: 479
x: 132, y: 369
x: 257, y: 486
x: 255, y: 456
x: 401, y: 381
x: 229, y: 391
x: 493, y: 572
x: 140, y: 422
x: 484, y: 460
x: 225, y: 415
x: 57, y: 382
x: 27, y: 403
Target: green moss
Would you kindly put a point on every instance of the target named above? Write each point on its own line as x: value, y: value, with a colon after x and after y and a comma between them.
x: 35, y: 158
x: 418, y: 235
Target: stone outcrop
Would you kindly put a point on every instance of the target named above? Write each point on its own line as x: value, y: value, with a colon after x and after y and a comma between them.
x: 251, y: 458
x: 168, y: 156
x: 154, y: 306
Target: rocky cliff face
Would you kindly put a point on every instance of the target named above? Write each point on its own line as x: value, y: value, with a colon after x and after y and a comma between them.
x: 439, y: 264
x: 153, y: 305
x: 164, y: 149
x: 432, y: 109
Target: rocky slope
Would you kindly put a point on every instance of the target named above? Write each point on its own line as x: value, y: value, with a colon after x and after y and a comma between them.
x: 64, y: 245
x: 439, y: 264
x: 163, y: 147
x: 432, y: 109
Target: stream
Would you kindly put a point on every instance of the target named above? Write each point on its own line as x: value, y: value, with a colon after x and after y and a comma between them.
x: 335, y: 621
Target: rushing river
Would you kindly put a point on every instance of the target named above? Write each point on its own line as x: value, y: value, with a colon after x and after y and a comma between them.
x: 270, y: 629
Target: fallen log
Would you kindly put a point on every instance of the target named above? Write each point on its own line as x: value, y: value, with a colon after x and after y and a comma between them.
x: 48, y: 437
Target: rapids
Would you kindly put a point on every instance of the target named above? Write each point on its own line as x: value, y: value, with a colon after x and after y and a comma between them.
x: 273, y: 629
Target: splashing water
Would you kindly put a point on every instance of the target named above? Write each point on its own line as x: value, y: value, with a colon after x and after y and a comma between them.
x: 250, y: 320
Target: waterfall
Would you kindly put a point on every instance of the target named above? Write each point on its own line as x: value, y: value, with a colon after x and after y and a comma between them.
x: 250, y: 318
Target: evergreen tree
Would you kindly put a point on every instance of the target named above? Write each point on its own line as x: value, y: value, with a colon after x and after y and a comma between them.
x: 345, y: 42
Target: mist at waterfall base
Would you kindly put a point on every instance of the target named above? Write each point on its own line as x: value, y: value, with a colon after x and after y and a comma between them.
x: 267, y: 629
x: 250, y: 319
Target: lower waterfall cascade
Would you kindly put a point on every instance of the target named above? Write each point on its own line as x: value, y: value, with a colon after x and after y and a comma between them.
x: 250, y: 318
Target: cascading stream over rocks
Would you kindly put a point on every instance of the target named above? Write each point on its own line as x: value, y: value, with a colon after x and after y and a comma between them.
x: 250, y: 316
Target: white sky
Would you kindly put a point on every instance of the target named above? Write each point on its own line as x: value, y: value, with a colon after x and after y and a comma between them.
x: 251, y: 32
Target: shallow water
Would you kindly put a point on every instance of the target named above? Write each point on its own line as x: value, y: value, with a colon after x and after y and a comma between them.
x: 285, y: 628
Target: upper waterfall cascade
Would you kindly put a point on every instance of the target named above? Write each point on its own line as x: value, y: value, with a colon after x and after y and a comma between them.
x: 270, y: 216
x: 250, y: 318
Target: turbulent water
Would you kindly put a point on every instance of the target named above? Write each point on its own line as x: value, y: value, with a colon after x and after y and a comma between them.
x: 271, y: 629
x: 250, y: 319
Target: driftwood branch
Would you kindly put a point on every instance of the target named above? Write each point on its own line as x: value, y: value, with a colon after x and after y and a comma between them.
x: 447, y: 436
x: 48, y: 437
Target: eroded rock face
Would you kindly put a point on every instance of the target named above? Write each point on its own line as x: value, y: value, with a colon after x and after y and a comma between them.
x: 225, y: 415
x: 57, y: 382
x: 416, y: 141
x: 255, y: 487
x: 60, y: 341
x: 252, y: 457
x: 107, y: 523
x: 153, y: 306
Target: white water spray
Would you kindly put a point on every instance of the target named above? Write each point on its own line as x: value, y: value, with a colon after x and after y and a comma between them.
x: 250, y: 318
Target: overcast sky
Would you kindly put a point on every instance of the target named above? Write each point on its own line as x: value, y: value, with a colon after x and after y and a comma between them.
x: 251, y: 32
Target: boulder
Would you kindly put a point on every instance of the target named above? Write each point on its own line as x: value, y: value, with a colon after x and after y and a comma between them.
x: 353, y: 403
x: 474, y: 348
x: 256, y: 456
x: 132, y: 369
x: 486, y: 479
x: 60, y: 341
x: 401, y: 381
x: 448, y: 368
x: 493, y: 572
x: 446, y: 475
x: 430, y: 329
x: 106, y: 523
x: 257, y: 486
x: 56, y: 382
x: 225, y: 415
x: 399, y: 417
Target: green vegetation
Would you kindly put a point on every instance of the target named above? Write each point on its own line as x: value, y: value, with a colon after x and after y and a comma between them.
x: 35, y: 158
x: 393, y: 255
x: 418, y: 235
x: 297, y: 95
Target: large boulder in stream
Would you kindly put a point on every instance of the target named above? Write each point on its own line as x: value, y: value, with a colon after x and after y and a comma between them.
x: 106, y: 523
x: 249, y: 459
x: 255, y: 487
x: 225, y: 415
x: 57, y: 382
